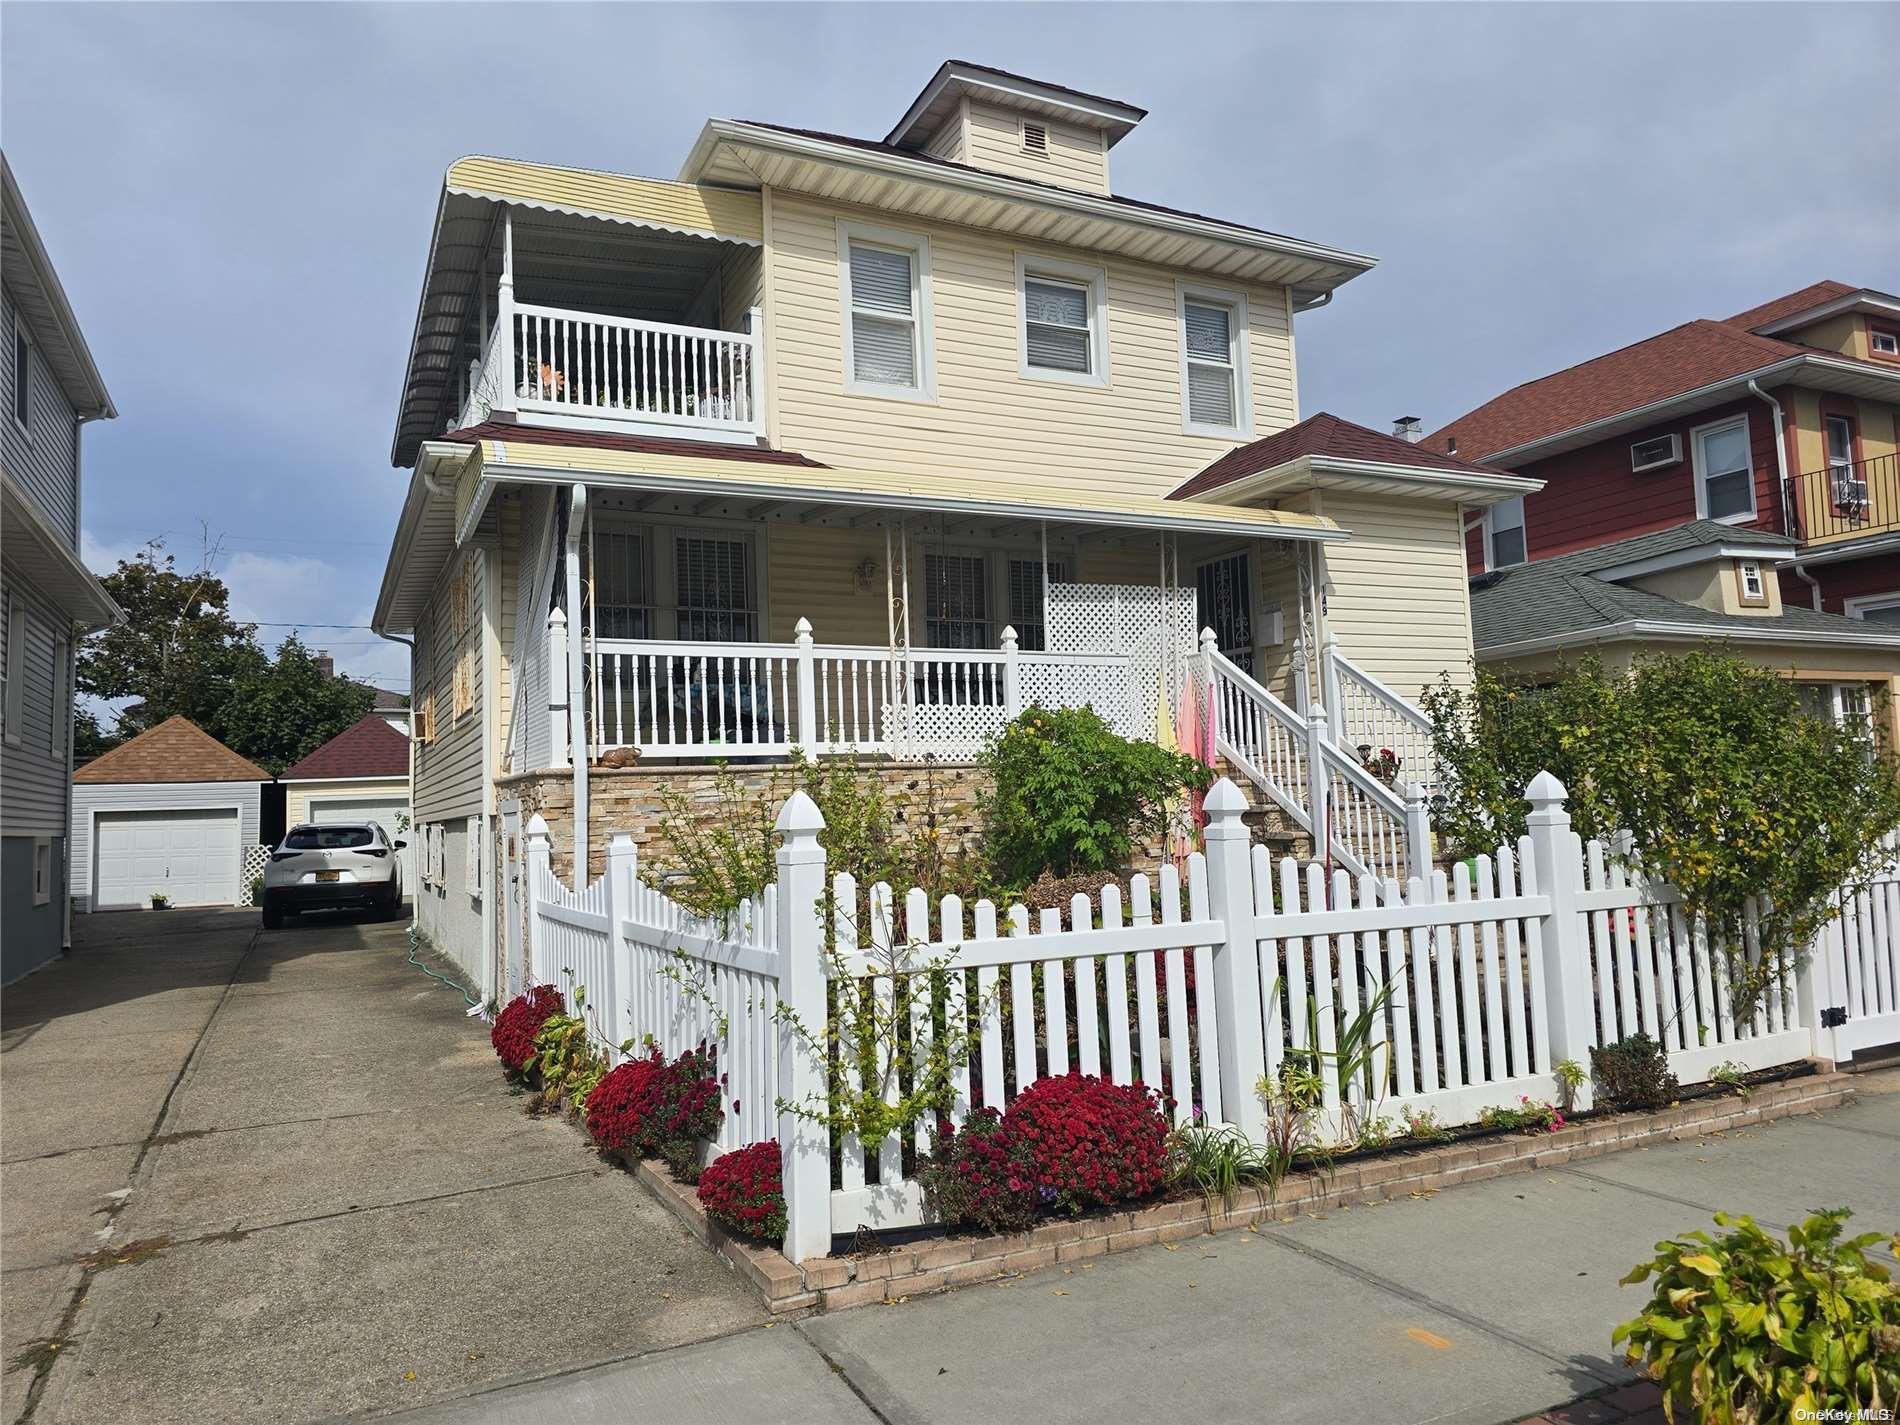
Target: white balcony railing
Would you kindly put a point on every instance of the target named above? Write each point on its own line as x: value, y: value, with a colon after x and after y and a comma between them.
x: 556, y: 362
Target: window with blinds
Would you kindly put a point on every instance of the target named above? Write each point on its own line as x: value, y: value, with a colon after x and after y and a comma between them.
x: 714, y: 583
x: 1207, y: 338
x: 1056, y: 333
x: 1027, y: 613
x: 956, y: 601
x: 884, y: 327
x: 621, y: 605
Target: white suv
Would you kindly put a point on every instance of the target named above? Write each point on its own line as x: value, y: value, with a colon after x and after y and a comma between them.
x: 349, y: 863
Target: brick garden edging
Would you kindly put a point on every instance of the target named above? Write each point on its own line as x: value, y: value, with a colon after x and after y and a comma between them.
x: 837, y: 1283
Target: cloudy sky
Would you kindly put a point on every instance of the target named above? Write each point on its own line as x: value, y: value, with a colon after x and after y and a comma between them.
x: 238, y: 198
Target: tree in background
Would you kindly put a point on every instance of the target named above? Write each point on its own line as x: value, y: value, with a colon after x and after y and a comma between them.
x: 279, y: 711
x: 179, y: 652
x: 1725, y: 788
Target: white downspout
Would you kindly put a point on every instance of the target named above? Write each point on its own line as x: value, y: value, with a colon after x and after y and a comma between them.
x: 1781, y: 471
x: 576, y: 683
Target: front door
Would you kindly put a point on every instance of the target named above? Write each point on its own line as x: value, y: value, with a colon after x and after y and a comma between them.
x: 1225, y: 590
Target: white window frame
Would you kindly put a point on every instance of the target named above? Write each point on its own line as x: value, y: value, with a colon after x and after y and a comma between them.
x: 918, y: 245
x: 1034, y: 266
x: 1490, y: 533
x: 12, y: 695
x: 1864, y: 604
x: 1236, y: 301
x: 42, y: 870
x: 1754, y: 587
x: 1696, y: 435
x: 21, y: 392
x: 1638, y: 467
x: 1874, y: 334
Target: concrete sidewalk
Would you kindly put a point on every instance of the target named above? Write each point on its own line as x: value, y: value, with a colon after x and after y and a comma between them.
x: 1481, y: 1304
x: 317, y: 1194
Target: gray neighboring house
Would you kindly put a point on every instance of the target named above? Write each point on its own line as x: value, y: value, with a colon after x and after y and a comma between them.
x: 1700, y: 583
x: 48, y: 598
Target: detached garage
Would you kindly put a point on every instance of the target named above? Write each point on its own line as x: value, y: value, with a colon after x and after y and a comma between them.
x: 170, y: 812
x: 361, y: 774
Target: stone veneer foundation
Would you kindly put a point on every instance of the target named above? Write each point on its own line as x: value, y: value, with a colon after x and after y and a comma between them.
x: 837, y: 1283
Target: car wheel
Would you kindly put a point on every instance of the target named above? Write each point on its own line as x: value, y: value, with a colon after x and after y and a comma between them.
x: 273, y: 916
x: 392, y: 908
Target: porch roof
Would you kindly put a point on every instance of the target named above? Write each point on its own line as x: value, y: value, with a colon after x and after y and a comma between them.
x: 772, y: 481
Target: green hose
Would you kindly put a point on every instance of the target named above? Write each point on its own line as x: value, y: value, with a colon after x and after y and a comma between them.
x: 415, y: 944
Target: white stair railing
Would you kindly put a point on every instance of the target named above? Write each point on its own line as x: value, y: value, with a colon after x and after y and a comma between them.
x: 1365, y: 712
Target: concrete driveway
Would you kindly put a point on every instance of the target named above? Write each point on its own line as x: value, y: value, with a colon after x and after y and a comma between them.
x: 276, y: 1176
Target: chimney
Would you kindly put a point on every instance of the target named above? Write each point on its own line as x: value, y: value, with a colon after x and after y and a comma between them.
x: 326, y: 665
x: 1408, y: 428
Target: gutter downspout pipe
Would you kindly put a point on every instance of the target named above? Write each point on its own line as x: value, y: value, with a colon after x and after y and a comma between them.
x: 576, y: 682
x: 1781, y: 471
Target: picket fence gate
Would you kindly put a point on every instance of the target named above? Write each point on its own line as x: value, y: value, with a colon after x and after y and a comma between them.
x: 1465, y: 991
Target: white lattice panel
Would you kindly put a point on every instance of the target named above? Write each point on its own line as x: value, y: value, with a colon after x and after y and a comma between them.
x: 1105, y: 687
x: 256, y: 858
x: 957, y: 731
x: 1131, y: 619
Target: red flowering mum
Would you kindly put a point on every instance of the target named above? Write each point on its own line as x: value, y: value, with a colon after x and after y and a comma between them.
x: 1089, y: 1142
x: 624, y: 1104
x: 980, y: 1176
x: 520, y: 1020
x: 744, y: 1192
x: 690, y: 1109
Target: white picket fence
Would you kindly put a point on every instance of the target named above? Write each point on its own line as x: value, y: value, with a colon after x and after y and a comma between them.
x: 1200, y: 981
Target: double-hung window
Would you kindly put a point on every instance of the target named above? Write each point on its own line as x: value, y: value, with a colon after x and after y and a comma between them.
x: 1213, y: 361
x: 1028, y: 614
x: 1504, y: 541
x: 713, y: 578
x: 1063, y: 336
x: 887, y: 345
x: 956, y: 601
x: 1725, y: 477
x: 1847, y: 479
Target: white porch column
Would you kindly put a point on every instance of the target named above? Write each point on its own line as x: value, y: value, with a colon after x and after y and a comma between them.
x: 505, y: 315
x: 577, y: 740
x: 1329, y: 685
x: 557, y: 689
x: 807, y: 692
x: 1012, y: 678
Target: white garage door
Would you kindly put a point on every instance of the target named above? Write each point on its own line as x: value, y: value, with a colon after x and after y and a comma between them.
x: 388, y: 812
x: 190, y: 855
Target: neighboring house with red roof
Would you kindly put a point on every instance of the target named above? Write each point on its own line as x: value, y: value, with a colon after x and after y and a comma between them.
x: 361, y: 774
x: 852, y: 446
x: 169, y: 812
x: 1780, y: 418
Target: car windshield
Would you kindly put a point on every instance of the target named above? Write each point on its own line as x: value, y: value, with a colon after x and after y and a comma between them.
x: 329, y: 838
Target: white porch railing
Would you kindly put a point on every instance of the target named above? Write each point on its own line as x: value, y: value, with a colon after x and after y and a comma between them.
x: 696, y: 699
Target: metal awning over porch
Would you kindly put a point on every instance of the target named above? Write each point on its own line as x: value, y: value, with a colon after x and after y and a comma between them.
x: 780, y: 490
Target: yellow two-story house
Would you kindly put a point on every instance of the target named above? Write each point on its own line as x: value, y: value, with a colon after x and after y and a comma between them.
x: 854, y: 445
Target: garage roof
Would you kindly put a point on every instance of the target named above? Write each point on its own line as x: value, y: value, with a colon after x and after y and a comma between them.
x: 177, y: 750
x: 369, y: 747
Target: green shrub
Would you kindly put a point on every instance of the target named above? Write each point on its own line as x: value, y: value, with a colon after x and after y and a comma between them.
x: 1633, y: 1073
x: 1070, y: 795
x: 1743, y: 1327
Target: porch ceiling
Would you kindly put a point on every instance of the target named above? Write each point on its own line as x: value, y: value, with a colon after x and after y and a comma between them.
x: 794, y: 491
x: 594, y: 242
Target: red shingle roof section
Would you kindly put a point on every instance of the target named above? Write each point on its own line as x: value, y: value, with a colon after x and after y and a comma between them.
x: 369, y: 747
x: 177, y: 750
x: 506, y: 431
x: 1792, y: 305
x: 1326, y: 435
x: 1694, y: 354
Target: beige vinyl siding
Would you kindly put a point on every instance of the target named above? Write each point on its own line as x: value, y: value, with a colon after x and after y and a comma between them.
x: 298, y: 795
x: 1076, y: 157
x: 741, y: 286
x: 987, y: 418
x: 33, y: 772
x: 449, y: 781
x: 949, y: 141
x: 655, y: 202
x: 1397, y: 595
x: 525, y: 731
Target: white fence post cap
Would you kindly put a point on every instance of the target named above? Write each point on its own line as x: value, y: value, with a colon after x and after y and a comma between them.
x: 1009, y: 635
x: 803, y: 629
x: 537, y: 825
x: 799, y: 815
x: 1545, y: 790
x: 557, y: 619
x: 1208, y: 640
x: 1224, y: 799
x: 621, y: 842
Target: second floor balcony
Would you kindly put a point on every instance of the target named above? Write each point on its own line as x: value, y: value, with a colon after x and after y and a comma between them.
x: 1848, y: 499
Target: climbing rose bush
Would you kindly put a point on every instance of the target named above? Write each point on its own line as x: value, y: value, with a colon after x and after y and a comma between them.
x: 1089, y: 1142
x: 980, y: 1176
x: 520, y: 1020
x: 744, y: 1193
x: 624, y: 1104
